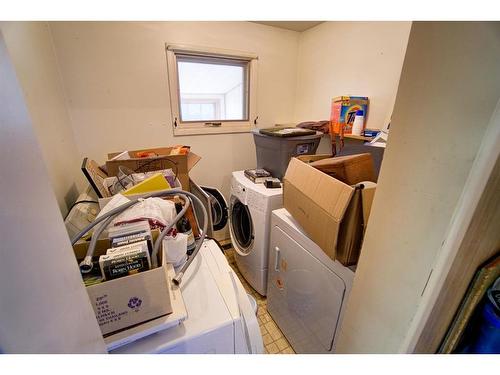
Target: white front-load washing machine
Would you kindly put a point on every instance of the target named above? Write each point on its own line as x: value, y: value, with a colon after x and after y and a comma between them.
x: 250, y: 210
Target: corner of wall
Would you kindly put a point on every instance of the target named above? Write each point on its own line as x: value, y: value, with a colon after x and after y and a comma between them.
x: 80, y: 182
x: 31, y: 48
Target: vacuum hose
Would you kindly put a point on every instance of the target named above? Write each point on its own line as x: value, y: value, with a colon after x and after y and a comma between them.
x: 86, y: 265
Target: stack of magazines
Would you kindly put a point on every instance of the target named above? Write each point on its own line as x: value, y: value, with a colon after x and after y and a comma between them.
x: 257, y: 176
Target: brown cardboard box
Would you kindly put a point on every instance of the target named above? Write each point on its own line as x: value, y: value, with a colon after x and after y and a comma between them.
x: 329, y: 210
x: 180, y: 164
x: 350, y: 169
x: 130, y: 300
x: 367, y: 196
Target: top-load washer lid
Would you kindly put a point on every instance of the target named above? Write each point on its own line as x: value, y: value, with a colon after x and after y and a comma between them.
x: 241, y: 226
x: 211, y: 292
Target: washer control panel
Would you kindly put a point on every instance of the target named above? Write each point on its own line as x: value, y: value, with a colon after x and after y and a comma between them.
x: 239, y: 191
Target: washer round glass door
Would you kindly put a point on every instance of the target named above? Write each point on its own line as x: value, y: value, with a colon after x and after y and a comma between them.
x: 219, y: 207
x: 241, y: 227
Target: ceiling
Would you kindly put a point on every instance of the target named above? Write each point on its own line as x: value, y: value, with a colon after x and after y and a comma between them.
x: 291, y: 25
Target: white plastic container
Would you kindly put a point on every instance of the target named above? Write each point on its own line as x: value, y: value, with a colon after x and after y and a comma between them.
x: 175, y: 249
x: 358, y: 124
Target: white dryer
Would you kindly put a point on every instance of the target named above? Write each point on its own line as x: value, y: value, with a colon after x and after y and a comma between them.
x: 307, y: 291
x: 250, y: 210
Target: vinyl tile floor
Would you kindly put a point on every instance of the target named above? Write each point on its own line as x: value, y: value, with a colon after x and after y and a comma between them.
x: 274, y: 340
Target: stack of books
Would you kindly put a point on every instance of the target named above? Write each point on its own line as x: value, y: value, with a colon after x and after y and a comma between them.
x: 257, y: 176
x: 127, y: 234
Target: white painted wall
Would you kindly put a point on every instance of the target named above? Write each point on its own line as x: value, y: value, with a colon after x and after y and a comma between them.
x: 44, y: 307
x: 115, y: 75
x: 450, y: 84
x: 30, y: 46
x: 93, y: 88
x: 350, y: 58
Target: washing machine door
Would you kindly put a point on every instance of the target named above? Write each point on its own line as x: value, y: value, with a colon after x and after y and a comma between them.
x: 241, y: 227
x: 218, y: 207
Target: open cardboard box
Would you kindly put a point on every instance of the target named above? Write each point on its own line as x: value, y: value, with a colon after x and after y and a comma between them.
x: 180, y: 164
x: 331, y: 212
x: 127, y: 301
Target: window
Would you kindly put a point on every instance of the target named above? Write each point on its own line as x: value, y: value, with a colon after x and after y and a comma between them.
x: 211, y: 90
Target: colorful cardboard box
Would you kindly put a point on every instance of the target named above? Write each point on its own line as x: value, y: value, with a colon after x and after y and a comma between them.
x: 343, y: 112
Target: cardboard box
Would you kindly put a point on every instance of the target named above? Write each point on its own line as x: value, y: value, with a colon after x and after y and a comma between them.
x: 180, y: 164
x: 343, y: 112
x: 130, y: 300
x: 330, y: 211
x: 350, y: 169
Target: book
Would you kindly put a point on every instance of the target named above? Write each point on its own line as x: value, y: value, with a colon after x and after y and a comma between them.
x: 125, y: 260
x: 257, y: 176
x: 131, y: 233
x: 272, y: 183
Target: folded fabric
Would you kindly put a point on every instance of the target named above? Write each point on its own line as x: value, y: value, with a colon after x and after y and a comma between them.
x: 159, y: 212
x: 322, y: 126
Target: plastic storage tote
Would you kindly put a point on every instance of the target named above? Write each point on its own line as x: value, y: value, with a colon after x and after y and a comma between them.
x: 274, y: 152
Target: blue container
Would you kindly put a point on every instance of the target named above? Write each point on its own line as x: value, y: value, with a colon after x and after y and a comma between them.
x: 371, y: 132
x: 487, y: 340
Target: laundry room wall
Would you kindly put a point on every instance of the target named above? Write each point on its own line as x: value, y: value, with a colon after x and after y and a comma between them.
x: 45, y: 307
x: 350, y: 58
x: 450, y: 85
x: 97, y: 87
x: 30, y: 47
x: 115, y: 76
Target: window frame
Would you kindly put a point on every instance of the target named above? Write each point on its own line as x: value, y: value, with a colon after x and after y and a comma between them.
x: 206, y: 127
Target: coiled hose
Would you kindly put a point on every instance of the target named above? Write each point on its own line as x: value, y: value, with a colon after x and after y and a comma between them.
x: 86, y: 265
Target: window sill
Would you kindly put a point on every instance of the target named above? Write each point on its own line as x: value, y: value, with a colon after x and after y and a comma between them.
x: 205, y: 130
